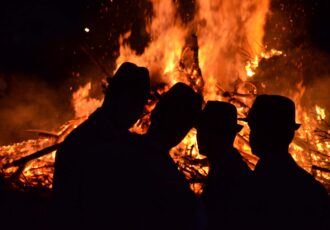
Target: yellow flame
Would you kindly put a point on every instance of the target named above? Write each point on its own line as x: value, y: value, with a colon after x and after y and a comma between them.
x: 253, y: 64
x: 320, y: 112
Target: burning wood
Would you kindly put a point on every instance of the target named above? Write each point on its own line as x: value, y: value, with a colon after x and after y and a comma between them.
x: 189, y: 65
x: 30, y: 163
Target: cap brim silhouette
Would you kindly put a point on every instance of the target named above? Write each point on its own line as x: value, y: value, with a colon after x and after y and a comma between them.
x: 272, y: 111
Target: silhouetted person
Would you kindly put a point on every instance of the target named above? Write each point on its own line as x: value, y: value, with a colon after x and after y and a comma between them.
x: 169, y: 203
x: 76, y: 165
x: 225, y: 190
x: 286, y: 196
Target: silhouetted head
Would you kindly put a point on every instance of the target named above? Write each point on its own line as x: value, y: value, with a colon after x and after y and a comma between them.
x: 127, y: 94
x: 272, y: 123
x: 174, y: 115
x: 217, y: 127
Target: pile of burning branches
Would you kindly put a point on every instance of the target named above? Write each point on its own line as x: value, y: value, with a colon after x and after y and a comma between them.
x: 29, y: 164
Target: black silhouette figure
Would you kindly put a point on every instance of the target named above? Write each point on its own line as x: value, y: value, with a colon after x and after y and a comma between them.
x: 225, y: 191
x: 78, y: 168
x: 168, y: 201
x: 286, y: 196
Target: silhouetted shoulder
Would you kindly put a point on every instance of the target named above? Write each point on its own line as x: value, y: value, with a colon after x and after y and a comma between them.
x: 311, y: 185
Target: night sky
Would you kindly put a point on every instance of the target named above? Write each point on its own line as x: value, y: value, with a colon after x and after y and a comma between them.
x: 41, y: 48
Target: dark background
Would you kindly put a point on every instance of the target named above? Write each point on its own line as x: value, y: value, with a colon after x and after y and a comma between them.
x: 42, y: 60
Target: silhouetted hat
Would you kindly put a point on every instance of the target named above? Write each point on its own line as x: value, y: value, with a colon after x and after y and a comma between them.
x: 272, y: 111
x: 219, y: 116
x: 180, y: 105
x: 131, y: 77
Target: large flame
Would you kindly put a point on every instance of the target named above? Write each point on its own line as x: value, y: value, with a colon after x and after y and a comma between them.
x: 229, y: 34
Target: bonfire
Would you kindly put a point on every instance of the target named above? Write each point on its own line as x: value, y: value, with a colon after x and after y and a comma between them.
x: 220, y: 54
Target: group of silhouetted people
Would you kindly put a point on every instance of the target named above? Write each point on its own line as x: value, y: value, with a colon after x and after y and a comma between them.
x: 107, y: 177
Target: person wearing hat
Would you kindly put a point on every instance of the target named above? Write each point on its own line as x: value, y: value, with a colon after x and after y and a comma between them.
x: 285, y: 195
x: 168, y: 202
x: 229, y: 176
x: 77, y: 164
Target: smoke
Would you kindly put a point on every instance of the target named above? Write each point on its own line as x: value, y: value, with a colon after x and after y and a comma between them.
x: 27, y: 102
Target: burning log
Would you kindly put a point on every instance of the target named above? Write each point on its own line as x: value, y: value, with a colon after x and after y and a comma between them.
x: 44, y: 133
x: 24, y: 160
x: 314, y: 168
x: 189, y: 64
